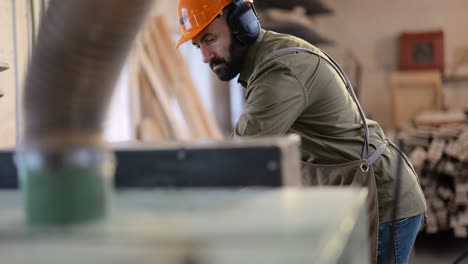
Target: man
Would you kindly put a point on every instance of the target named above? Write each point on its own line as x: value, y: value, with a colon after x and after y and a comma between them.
x: 301, y: 91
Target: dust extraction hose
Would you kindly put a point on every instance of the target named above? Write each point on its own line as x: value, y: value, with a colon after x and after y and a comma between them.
x: 61, y: 158
x: 79, y: 52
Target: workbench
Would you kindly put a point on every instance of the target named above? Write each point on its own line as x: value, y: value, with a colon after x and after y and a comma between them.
x: 261, y: 162
x: 200, y: 226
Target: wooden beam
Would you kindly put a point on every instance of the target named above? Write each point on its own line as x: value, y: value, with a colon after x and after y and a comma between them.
x: 134, y: 86
x: 181, y: 134
x: 188, y: 91
x: 149, y: 131
x: 151, y: 109
x: 160, y: 69
x: 187, y: 103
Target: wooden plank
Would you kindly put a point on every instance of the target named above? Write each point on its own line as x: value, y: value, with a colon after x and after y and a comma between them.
x: 135, y: 98
x: 187, y: 103
x: 437, y: 118
x: 179, y: 88
x: 436, y: 149
x: 152, y: 110
x: 414, y: 92
x: 144, y: 102
x: 149, y: 131
x: 157, y: 40
x: 417, y: 157
x: 181, y: 134
x: 208, y: 120
x: 160, y: 70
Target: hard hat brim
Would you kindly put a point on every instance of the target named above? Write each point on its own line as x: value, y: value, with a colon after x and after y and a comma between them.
x: 188, y: 35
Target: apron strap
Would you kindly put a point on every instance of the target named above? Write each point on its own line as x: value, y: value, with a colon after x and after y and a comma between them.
x: 349, y: 87
x: 377, y: 153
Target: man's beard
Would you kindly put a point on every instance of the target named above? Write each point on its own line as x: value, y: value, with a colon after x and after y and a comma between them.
x: 230, y: 69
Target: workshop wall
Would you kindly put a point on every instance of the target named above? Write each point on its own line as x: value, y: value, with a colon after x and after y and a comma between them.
x: 367, y: 28
x: 370, y: 29
x: 14, y: 48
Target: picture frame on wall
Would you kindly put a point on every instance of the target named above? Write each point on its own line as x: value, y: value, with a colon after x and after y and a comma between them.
x: 422, y: 51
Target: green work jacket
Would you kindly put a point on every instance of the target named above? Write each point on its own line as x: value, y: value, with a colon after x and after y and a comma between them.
x: 303, y: 94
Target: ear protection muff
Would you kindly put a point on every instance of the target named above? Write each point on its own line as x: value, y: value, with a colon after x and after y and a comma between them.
x: 244, y: 23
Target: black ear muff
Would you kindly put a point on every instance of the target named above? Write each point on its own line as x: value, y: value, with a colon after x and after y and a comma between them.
x: 244, y: 23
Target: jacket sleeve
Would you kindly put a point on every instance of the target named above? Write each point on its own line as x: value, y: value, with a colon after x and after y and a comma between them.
x: 275, y: 98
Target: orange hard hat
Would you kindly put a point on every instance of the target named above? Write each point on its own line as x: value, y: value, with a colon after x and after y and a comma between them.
x: 196, y: 15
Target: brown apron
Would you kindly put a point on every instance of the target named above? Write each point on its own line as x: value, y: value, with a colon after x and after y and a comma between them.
x: 359, y: 173
x: 351, y: 173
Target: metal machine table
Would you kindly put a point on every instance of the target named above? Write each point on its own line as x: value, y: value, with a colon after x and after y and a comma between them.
x: 306, y: 225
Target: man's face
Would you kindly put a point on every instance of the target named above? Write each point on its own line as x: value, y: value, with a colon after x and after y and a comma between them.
x: 224, y: 53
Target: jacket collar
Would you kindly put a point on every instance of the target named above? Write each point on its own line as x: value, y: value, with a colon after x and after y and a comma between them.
x: 251, y: 59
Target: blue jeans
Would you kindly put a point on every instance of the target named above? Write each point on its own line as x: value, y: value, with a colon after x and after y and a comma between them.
x: 398, y: 250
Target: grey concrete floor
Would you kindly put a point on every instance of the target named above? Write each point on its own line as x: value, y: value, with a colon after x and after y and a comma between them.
x: 439, y: 248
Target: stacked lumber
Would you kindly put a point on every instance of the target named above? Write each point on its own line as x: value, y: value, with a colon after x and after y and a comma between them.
x: 439, y: 154
x: 166, y: 103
